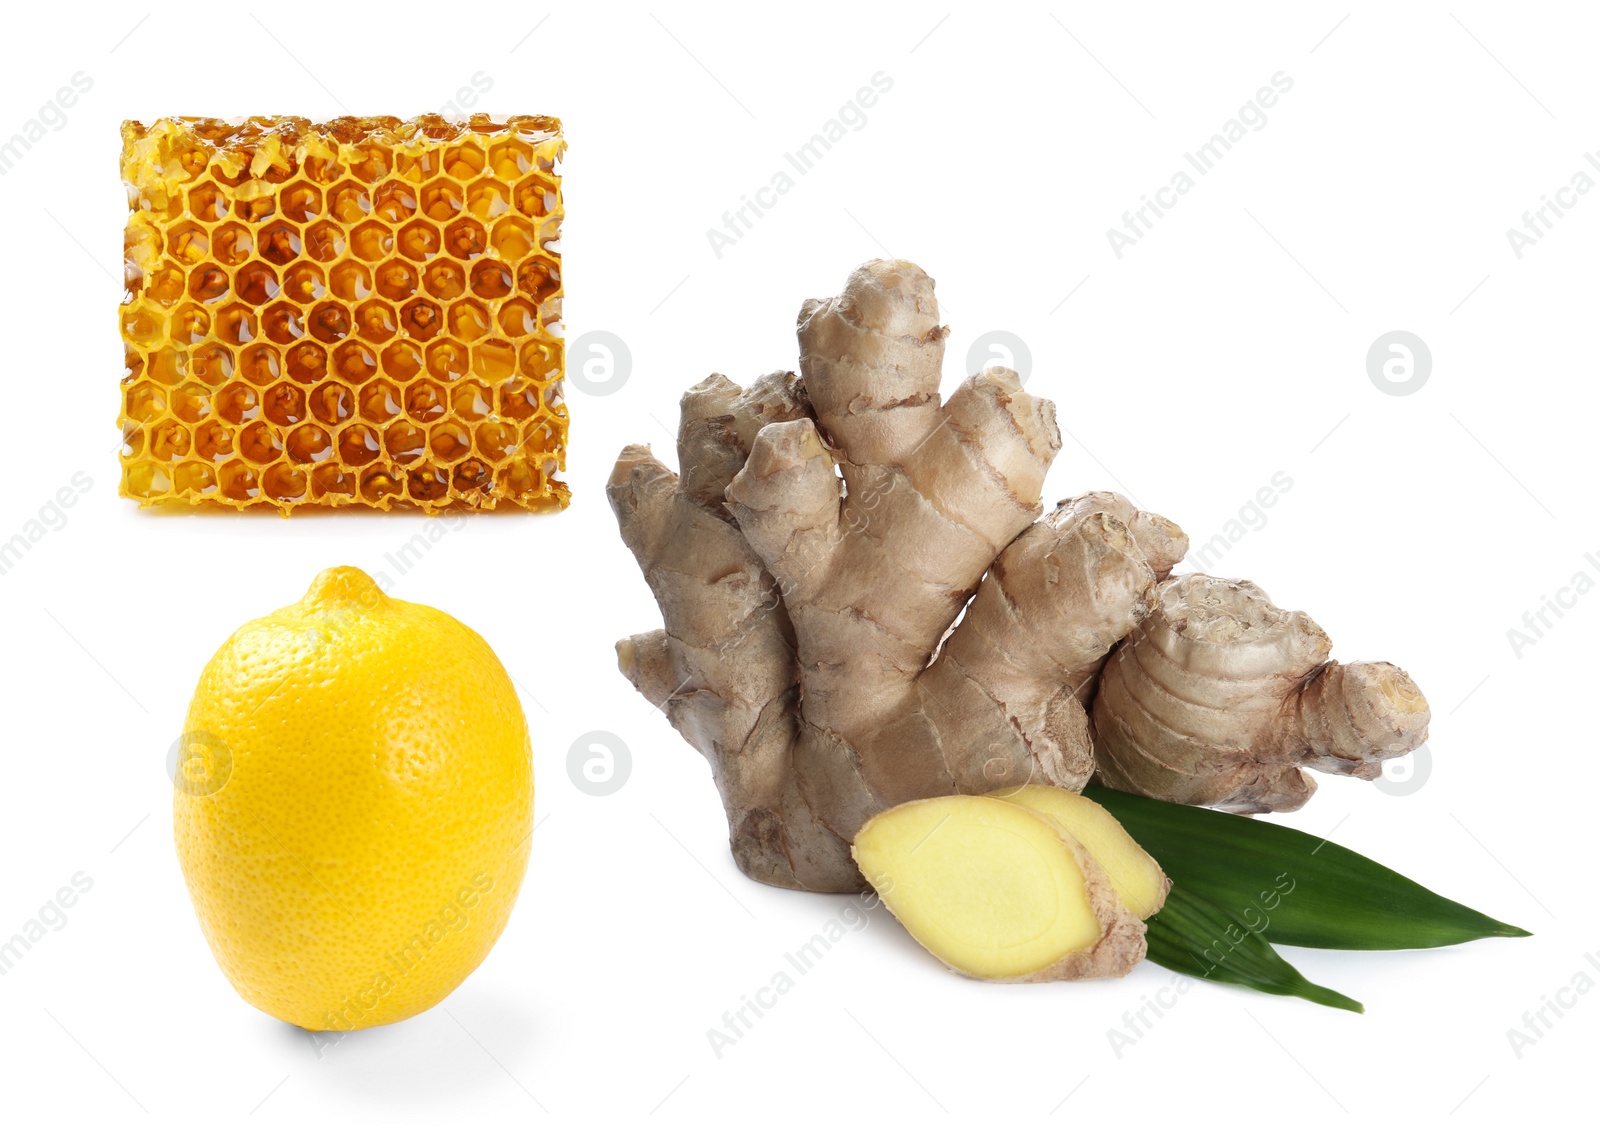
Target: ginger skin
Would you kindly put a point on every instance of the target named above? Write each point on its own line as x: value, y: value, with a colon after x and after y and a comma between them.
x: 824, y: 536
x: 1221, y: 699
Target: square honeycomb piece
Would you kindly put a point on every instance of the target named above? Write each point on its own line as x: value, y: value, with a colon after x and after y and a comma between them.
x: 361, y: 312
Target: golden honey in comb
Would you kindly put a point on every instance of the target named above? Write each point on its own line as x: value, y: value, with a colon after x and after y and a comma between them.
x: 361, y: 312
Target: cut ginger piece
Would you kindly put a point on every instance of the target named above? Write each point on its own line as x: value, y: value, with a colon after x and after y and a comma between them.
x: 1135, y: 874
x: 997, y: 891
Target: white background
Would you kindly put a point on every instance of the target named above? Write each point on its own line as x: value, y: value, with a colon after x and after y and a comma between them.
x: 1227, y: 346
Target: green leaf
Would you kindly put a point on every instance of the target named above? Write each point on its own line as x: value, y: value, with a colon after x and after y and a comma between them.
x: 1290, y: 886
x: 1193, y: 936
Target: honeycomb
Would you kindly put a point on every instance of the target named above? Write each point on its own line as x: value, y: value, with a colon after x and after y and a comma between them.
x: 364, y: 312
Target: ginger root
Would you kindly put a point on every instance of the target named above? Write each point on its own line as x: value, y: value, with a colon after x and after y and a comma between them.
x: 998, y: 891
x: 1221, y: 698
x: 863, y: 605
x: 811, y: 561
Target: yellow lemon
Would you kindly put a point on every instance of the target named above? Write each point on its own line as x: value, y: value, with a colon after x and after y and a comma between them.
x: 354, y: 799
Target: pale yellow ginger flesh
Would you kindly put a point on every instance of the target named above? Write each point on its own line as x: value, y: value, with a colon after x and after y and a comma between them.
x: 998, y: 891
x: 1221, y: 699
x: 1135, y: 874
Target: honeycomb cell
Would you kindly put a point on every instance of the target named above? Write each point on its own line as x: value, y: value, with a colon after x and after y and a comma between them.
x: 494, y: 360
x: 539, y: 278
x: 284, y: 404
x: 208, y: 283
x: 513, y: 238
x: 468, y: 321
x: 395, y: 201
x: 259, y: 209
x: 519, y: 400
x: 448, y: 360
x: 449, y: 441
x: 189, y: 244
x: 260, y: 364
x: 301, y: 202
x: 330, y: 322
x: 471, y: 401
x: 280, y: 243
x: 207, y: 203
x: 259, y: 443
x: 143, y: 327
x: 442, y: 200
x: 238, y: 404
x: 496, y: 440
x: 358, y: 444
x: 491, y: 279
x: 191, y: 402
x: 167, y: 366
x: 168, y: 440
x: 333, y: 404
x: 165, y: 286
x: 405, y: 442
x: 541, y: 437
x: 284, y: 483
x: 190, y: 325
x: 322, y: 169
x: 325, y: 241
x: 350, y: 313
x: 372, y: 240
x: 355, y: 362
x: 307, y: 362
x: 145, y: 480
x: 304, y: 283
x: 380, y: 402
x: 283, y: 323
x: 372, y: 163
x: 256, y: 283
x: 235, y: 324
x: 466, y: 239
x: 428, y: 483
x: 518, y: 318
x: 402, y: 360
x: 426, y: 401
x: 536, y: 197
x: 488, y: 199
x: 519, y: 479
x: 212, y: 364
x: 308, y: 444
x: 464, y: 162
x: 350, y: 281
x: 213, y: 440
x: 421, y: 319
x: 445, y: 280
x: 232, y: 244
x: 194, y: 478
x: 375, y: 321
x: 397, y: 280
x: 472, y: 476
x: 237, y: 482
x: 333, y: 482
x: 378, y: 485
x: 349, y: 203
x: 510, y: 159
x: 418, y: 240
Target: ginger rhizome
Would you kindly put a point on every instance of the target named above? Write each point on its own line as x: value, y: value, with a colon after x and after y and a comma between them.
x: 864, y: 604
x: 1221, y: 699
x: 998, y: 890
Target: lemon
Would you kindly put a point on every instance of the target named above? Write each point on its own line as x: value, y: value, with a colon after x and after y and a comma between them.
x: 354, y: 800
